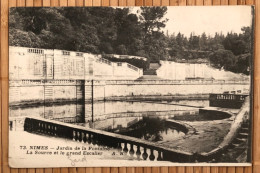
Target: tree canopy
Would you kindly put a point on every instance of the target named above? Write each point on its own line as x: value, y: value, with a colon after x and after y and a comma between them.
x: 97, y: 30
x: 110, y: 30
x: 230, y: 52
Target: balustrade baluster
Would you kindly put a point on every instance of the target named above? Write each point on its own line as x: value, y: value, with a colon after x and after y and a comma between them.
x: 30, y: 126
x: 84, y: 137
x: 80, y: 136
x: 75, y: 135
x: 48, y: 128
x: 151, y: 157
x: 45, y: 128
x: 138, y: 152
x: 89, y: 138
x: 145, y: 155
x: 159, y: 158
x: 125, y: 148
x: 34, y: 125
x: 131, y: 152
x: 51, y: 129
x: 42, y: 127
x: 119, y: 147
x: 38, y: 127
x: 56, y: 130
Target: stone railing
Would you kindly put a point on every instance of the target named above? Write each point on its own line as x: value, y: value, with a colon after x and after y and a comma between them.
x: 76, y: 119
x: 227, y: 100
x: 31, y: 82
x: 236, y: 125
x: 175, y: 82
x: 236, y: 97
x: 49, y: 82
x: 103, y: 60
x: 137, y: 148
x: 132, y: 67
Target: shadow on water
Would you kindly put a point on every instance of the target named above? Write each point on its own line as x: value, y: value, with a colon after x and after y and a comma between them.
x: 152, y: 129
x: 202, y: 117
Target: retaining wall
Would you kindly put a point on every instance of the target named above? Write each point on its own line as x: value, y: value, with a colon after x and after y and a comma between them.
x: 22, y: 91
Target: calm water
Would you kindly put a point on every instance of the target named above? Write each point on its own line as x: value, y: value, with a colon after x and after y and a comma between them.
x: 104, y: 108
x: 149, y: 128
x: 129, y: 118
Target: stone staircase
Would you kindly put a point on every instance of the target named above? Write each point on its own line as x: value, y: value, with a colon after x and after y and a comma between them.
x: 239, y: 146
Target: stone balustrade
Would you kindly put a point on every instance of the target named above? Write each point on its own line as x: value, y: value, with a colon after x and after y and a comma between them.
x: 31, y: 82
x: 137, y: 148
x: 236, y: 126
x: 227, y: 100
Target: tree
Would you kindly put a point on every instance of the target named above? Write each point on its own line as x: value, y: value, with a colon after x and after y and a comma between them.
x: 243, y: 64
x: 235, y: 44
x: 155, y: 42
x: 222, y: 59
x: 129, y: 32
x: 152, y: 18
x: 203, y: 41
x: 194, y: 42
x: 246, y: 36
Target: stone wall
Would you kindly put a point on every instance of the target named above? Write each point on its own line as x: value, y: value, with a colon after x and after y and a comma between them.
x: 38, y: 64
x: 181, y: 71
x: 29, y: 91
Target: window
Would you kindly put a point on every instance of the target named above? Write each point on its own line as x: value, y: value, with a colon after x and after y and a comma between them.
x: 79, y: 54
x: 65, y: 53
x: 36, y: 51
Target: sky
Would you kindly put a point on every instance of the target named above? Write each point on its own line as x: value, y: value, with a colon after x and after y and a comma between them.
x: 207, y: 19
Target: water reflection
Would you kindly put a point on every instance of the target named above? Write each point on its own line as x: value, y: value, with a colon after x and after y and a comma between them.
x: 110, y: 110
x: 148, y: 128
x: 100, y: 108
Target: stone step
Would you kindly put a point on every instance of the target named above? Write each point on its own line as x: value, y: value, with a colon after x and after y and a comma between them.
x: 235, y: 145
x: 244, y: 130
x: 241, y: 139
x: 243, y: 135
x: 232, y: 146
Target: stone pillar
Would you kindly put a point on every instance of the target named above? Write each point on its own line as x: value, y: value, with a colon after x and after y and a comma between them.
x: 80, y: 101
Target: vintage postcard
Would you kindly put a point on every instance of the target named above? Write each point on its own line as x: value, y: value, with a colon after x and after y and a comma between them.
x: 130, y: 86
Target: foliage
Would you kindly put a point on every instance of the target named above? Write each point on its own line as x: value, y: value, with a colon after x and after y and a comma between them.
x: 222, y: 59
x: 231, y: 52
x: 95, y: 30
x: 118, y: 31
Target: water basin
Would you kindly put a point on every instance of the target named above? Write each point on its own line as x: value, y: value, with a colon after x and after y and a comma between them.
x: 154, y: 129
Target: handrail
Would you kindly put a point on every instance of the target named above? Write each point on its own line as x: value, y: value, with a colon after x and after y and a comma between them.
x: 122, y: 82
x: 234, y: 129
x: 77, y: 133
x: 227, y: 100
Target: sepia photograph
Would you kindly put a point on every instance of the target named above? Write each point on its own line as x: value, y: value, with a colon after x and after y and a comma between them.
x: 130, y: 86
